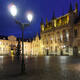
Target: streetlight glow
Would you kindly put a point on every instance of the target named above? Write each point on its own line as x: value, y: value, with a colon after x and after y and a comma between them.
x: 29, y: 17
x: 13, y: 9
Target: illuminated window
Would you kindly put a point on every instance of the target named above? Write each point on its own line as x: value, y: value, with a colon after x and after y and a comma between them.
x: 61, y: 37
x: 60, y: 21
x: 67, y: 19
x: 42, y: 27
x: 67, y: 35
x: 54, y: 23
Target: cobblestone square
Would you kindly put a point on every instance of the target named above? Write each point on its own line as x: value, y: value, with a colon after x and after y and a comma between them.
x: 41, y: 68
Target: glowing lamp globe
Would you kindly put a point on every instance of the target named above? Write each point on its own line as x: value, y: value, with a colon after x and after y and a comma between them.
x: 13, y: 9
x: 29, y: 17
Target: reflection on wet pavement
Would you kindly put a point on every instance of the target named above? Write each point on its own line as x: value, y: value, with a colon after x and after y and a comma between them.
x: 1, y: 62
x: 41, y: 68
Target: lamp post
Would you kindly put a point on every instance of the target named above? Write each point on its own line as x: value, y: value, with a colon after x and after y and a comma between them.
x: 13, y: 11
x: 22, y: 25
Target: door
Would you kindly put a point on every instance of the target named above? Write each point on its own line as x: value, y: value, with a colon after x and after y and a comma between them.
x: 47, y: 52
x: 75, y: 51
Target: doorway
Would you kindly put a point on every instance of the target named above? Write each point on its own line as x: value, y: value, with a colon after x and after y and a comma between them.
x: 75, y: 51
x: 47, y: 52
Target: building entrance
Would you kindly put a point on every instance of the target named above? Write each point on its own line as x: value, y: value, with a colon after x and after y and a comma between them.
x: 13, y: 49
x: 47, y: 52
x: 75, y: 51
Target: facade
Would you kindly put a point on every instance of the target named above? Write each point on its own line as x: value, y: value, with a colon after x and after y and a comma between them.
x: 4, y: 46
x: 7, y: 46
x: 61, y: 36
x: 37, y: 46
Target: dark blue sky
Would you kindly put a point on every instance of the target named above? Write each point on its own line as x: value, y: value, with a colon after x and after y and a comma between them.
x: 40, y: 9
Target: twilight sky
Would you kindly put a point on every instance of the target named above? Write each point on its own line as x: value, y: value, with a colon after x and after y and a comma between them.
x: 40, y: 8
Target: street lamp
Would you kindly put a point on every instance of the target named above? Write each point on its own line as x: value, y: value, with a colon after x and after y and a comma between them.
x: 29, y: 16
x: 13, y: 11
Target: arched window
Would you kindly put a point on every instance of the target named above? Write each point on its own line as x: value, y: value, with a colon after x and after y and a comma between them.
x: 61, y: 37
x: 67, y: 35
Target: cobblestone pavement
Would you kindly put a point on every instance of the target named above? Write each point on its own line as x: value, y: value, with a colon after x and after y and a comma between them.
x: 40, y: 68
